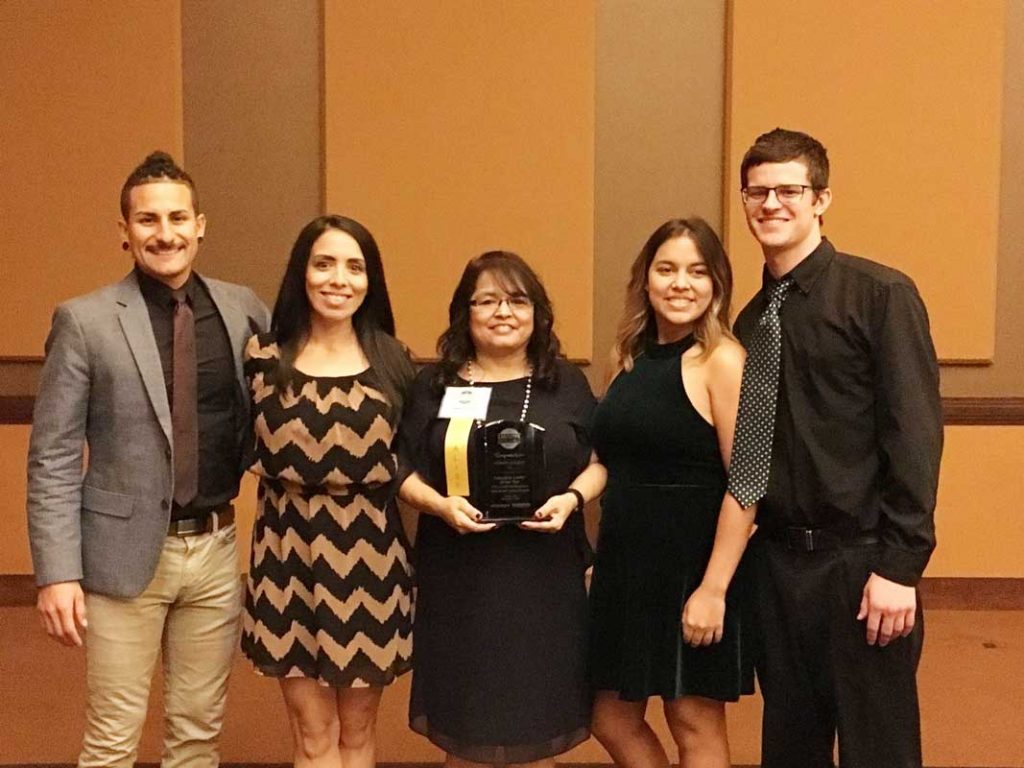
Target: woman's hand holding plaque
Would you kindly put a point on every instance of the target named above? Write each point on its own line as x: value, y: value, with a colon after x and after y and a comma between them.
x: 552, y: 514
x: 462, y: 516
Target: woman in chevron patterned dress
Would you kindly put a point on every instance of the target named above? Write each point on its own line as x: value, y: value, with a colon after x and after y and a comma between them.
x: 328, y: 605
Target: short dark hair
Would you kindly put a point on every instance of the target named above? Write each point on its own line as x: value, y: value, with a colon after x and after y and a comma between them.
x: 373, y: 321
x: 157, y: 166
x: 511, y: 271
x: 782, y: 146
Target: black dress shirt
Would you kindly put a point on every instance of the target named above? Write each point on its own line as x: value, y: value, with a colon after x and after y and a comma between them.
x: 858, y: 427
x: 220, y: 408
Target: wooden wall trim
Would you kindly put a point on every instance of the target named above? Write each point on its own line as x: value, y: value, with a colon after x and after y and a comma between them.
x: 987, y: 411
x: 285, y: 765
x: 960, y: 411
x: 937, y: 593
x: 16, y: 409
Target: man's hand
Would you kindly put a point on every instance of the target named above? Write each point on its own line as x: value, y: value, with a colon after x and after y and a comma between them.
x: 889, y: 608
x: 61, y: 609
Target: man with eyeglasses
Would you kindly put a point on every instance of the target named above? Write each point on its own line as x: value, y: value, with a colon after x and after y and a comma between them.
x: 848, y: 476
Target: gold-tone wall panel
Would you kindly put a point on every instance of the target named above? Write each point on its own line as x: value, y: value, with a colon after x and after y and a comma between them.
x: 88, y: 89
x: 658, y: 138
x: 907, y: 98
x: 14, y: 552
x: 258, y: 170
x: 979, y: 523
x: 1005, y: 377
x: 453, y: 127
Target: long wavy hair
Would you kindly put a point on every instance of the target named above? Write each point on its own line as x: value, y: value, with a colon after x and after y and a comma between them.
x: 638, y: 325
x: 373, y: 321
x: 514, y: 275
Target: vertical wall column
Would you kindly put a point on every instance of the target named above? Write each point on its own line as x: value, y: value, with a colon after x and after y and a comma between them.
x: 658, y: 136
x: 252, y: 79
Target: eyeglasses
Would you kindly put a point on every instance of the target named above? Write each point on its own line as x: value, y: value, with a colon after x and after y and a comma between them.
x: 784, y: 193
x: 488, y: 305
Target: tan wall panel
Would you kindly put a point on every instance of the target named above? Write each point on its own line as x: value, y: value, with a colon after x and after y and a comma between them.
x: 258, y: 170
x: 979, y: 523
x: 454, y: 127
x: 659, y: 133
x: 88, y: 90
x: 907, y: 99
x: 1005, y: 377
x: 14, y: 553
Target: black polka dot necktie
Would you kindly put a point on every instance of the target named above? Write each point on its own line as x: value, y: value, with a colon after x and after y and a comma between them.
x: 759, y: 390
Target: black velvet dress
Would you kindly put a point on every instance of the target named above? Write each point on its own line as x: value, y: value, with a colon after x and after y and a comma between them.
x: 659, y: 512
x: 499, y: 659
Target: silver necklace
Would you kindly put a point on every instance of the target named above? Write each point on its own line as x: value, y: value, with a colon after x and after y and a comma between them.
x: 526, y: 397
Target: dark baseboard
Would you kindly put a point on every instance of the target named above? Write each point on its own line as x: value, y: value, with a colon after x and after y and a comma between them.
x: 972, y: 594
x: 938, y: 593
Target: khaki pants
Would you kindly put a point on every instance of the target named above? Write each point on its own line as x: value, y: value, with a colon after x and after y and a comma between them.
x: 190, y: 612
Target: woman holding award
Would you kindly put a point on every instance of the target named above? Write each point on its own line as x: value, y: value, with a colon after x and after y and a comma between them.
x: 665, y: 607
x: 494, y: 449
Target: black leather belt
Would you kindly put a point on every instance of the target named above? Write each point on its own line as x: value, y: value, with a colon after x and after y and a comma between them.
x: 208, y: 521
x: 820, y: 539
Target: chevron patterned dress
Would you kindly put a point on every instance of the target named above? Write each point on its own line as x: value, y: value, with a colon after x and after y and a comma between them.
x: 329, y: 593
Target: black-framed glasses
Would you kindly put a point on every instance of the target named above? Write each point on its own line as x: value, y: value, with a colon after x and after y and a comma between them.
x: 488, y: 305
x: 784, y: 193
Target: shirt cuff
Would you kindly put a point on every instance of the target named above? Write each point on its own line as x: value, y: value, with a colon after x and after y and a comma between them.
x: 902, y: 566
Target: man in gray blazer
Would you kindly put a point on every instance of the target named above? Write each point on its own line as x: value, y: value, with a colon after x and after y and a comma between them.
x: 136, y: 541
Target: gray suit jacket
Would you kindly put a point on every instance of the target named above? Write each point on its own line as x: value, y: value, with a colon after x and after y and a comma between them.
x: 102, y: 385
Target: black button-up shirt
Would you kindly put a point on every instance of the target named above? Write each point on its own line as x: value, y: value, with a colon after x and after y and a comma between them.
x: 220, y: 409
x: 858, y: 426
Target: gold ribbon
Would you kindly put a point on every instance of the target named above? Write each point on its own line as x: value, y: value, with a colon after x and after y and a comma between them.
x: 456, y: 456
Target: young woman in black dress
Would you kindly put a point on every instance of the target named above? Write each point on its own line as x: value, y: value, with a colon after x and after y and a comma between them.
x: 499, y: 666
x: 665, y: 620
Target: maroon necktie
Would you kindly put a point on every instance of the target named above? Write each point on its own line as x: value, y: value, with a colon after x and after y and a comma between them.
x: 184, y: 419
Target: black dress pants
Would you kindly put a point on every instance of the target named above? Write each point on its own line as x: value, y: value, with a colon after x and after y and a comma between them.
x: 818, y: 675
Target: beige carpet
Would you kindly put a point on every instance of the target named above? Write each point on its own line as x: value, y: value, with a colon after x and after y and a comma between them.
x: 971, y: 679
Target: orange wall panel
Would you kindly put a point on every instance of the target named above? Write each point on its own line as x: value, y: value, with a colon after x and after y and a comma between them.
x: 453, y: 127
x: 14, y: 553
x: 907, y: 99
x: 88, y: 90
x: 978, y: 520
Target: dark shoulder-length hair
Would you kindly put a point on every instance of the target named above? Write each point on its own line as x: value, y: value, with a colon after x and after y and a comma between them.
x: 374, y: 321
x: 514, y: 275
x: 638, y: 324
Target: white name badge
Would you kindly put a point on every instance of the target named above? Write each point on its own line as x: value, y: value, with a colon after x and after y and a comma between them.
x: 464, y: 403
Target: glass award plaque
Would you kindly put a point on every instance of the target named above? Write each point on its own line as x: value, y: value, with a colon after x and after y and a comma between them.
x: 509, y: 470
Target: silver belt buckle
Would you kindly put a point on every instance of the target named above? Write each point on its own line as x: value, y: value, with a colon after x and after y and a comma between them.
x: 187, y: 527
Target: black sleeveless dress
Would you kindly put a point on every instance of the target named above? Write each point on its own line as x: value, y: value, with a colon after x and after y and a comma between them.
x: 659, y: 512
